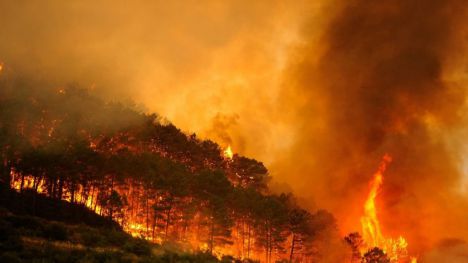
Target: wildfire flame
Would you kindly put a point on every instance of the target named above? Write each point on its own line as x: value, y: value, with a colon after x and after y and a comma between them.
x: 396, y: 249
x: 228, y: 152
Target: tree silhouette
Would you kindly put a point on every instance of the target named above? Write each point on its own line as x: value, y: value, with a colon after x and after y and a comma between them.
x: 375, y: 255
x: 355, y: 241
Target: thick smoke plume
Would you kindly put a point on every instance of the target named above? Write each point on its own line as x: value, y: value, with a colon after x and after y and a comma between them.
x: 380, y: 82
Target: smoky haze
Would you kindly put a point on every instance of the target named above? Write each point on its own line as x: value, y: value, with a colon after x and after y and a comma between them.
x: 193, y: 63
x: 320, y: 90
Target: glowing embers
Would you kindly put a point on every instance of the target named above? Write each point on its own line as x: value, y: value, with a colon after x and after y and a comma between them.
x: 395, y: 248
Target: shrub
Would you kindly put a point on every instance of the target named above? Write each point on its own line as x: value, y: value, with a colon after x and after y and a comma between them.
x: 90, y: 238
x: 138, y: 247
x: 24, y: 221
x: 55, y: 231
x: 114, y: 237
x: 9, y: 257
x: 9, y: 238
x: 26, y: 225
x: 228, y: 259
x: 107, y: 257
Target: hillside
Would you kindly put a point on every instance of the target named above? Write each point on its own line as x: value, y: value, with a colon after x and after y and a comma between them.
x: 36, y: 228
x: 146, y: 176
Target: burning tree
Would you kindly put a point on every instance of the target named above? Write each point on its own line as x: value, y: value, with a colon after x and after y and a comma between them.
x: 355, y: 241
x: 375, y: 255
x: 299, y: 226
x: 379, y: 248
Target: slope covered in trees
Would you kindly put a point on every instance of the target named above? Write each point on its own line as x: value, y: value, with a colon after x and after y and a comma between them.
x: 142, y: 172
x: 36, y: 228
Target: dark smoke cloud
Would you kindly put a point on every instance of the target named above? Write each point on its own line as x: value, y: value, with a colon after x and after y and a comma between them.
x: 379, y: 85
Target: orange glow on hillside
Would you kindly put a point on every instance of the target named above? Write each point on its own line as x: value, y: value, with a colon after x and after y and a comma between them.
x: 135, y: 222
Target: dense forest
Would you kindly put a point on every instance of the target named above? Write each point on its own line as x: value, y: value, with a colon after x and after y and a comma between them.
x: 154, y: 180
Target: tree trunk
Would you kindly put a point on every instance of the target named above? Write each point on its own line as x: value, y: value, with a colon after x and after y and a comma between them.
x: 72, y: 193
x: 54, y: 189
x: 248, y: 241
x: 168, y: 220
x: 243, y: 237
x: 34, y: 204
x: 267, y: 244
x: 50, y: 187
x: 91, y: 196
x: 155, y: 221
x: 271, y: 250
x: 293, y: 243
x: 35, y: 179
x: 60, y: 189
x: 22, y: 183
x: 211, y: 236
x: 6, y: 172
x: 147, y: 212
